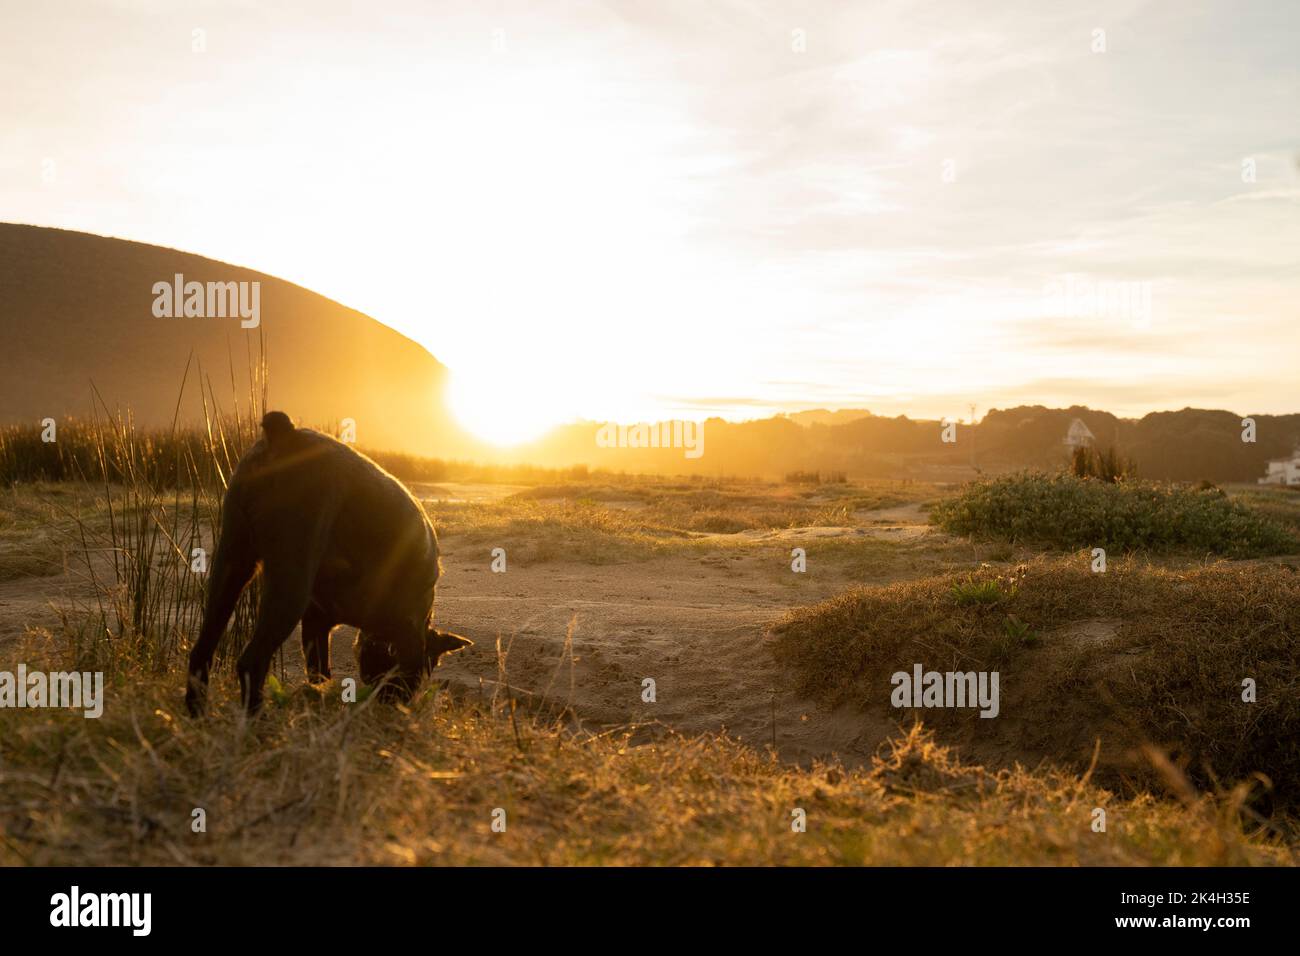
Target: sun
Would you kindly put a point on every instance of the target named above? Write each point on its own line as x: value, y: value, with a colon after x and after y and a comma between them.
x: 528, y: 239
x: 500, y: 416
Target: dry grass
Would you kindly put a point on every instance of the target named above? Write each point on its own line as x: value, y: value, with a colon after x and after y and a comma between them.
x: 164, y: 453
x: 317, y: 781
x: 1171, y: 676
x: 37, y: 527
x: 540, y: 531
x: 733, y: 505
x: 639, y: 518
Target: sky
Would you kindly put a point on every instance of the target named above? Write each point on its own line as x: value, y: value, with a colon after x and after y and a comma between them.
x: 644, y: 210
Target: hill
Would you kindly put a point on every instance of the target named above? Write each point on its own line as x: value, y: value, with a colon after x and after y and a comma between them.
x: 823, y: 416
x: 79, y: 309
x: 1187, y: 445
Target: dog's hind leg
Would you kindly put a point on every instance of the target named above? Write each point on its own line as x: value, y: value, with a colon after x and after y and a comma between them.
x: 286, y: 590
x: 316, y: 627
x: 232, y: 567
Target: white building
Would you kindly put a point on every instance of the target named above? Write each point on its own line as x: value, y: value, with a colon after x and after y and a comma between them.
x: 1283, y: 471
x: 1078, y: 435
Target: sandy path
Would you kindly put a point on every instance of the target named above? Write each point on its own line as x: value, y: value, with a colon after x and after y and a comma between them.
x: 695, y: 624
x: 31, y: 602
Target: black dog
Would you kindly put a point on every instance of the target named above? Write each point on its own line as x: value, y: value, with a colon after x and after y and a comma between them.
x: 339, y: 541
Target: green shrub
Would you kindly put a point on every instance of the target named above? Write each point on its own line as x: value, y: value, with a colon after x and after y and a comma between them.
x: 1062, y: 511
x: 970, y: 591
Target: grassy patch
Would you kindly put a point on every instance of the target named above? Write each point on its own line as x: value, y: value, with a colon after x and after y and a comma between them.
x: 731, y: 506
x: 317, y: 781
x: 1062, y: 511
x: 40, y: 524
x: 1170, y: 676
x: 167, y: 457
x: 642, y: 518
x: 539, y: 531
x: 1282, y: 505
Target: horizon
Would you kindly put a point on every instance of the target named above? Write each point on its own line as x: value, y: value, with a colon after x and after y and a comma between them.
x: 909, y: 210
x: 788, y: 412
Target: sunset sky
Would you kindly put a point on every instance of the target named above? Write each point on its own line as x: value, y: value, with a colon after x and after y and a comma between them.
x: 643, y: 210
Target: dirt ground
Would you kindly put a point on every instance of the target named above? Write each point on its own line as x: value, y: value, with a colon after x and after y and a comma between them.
x: 696, y: 627
x: 694, y: 622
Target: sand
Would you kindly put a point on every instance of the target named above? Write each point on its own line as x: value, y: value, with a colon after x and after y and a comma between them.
x: 697, y: 625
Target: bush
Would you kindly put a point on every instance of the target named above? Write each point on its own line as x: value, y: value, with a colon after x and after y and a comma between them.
x: 1108, y: 465
x: 1169, y: 675
x: 1062, y: 511
x: 970, y: 592
x: 816, y: 478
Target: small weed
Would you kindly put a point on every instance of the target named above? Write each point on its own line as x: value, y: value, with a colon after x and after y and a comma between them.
x: 972, y: 592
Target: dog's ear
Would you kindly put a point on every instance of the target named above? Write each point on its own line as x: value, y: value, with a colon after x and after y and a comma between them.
x: 444, y: 642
